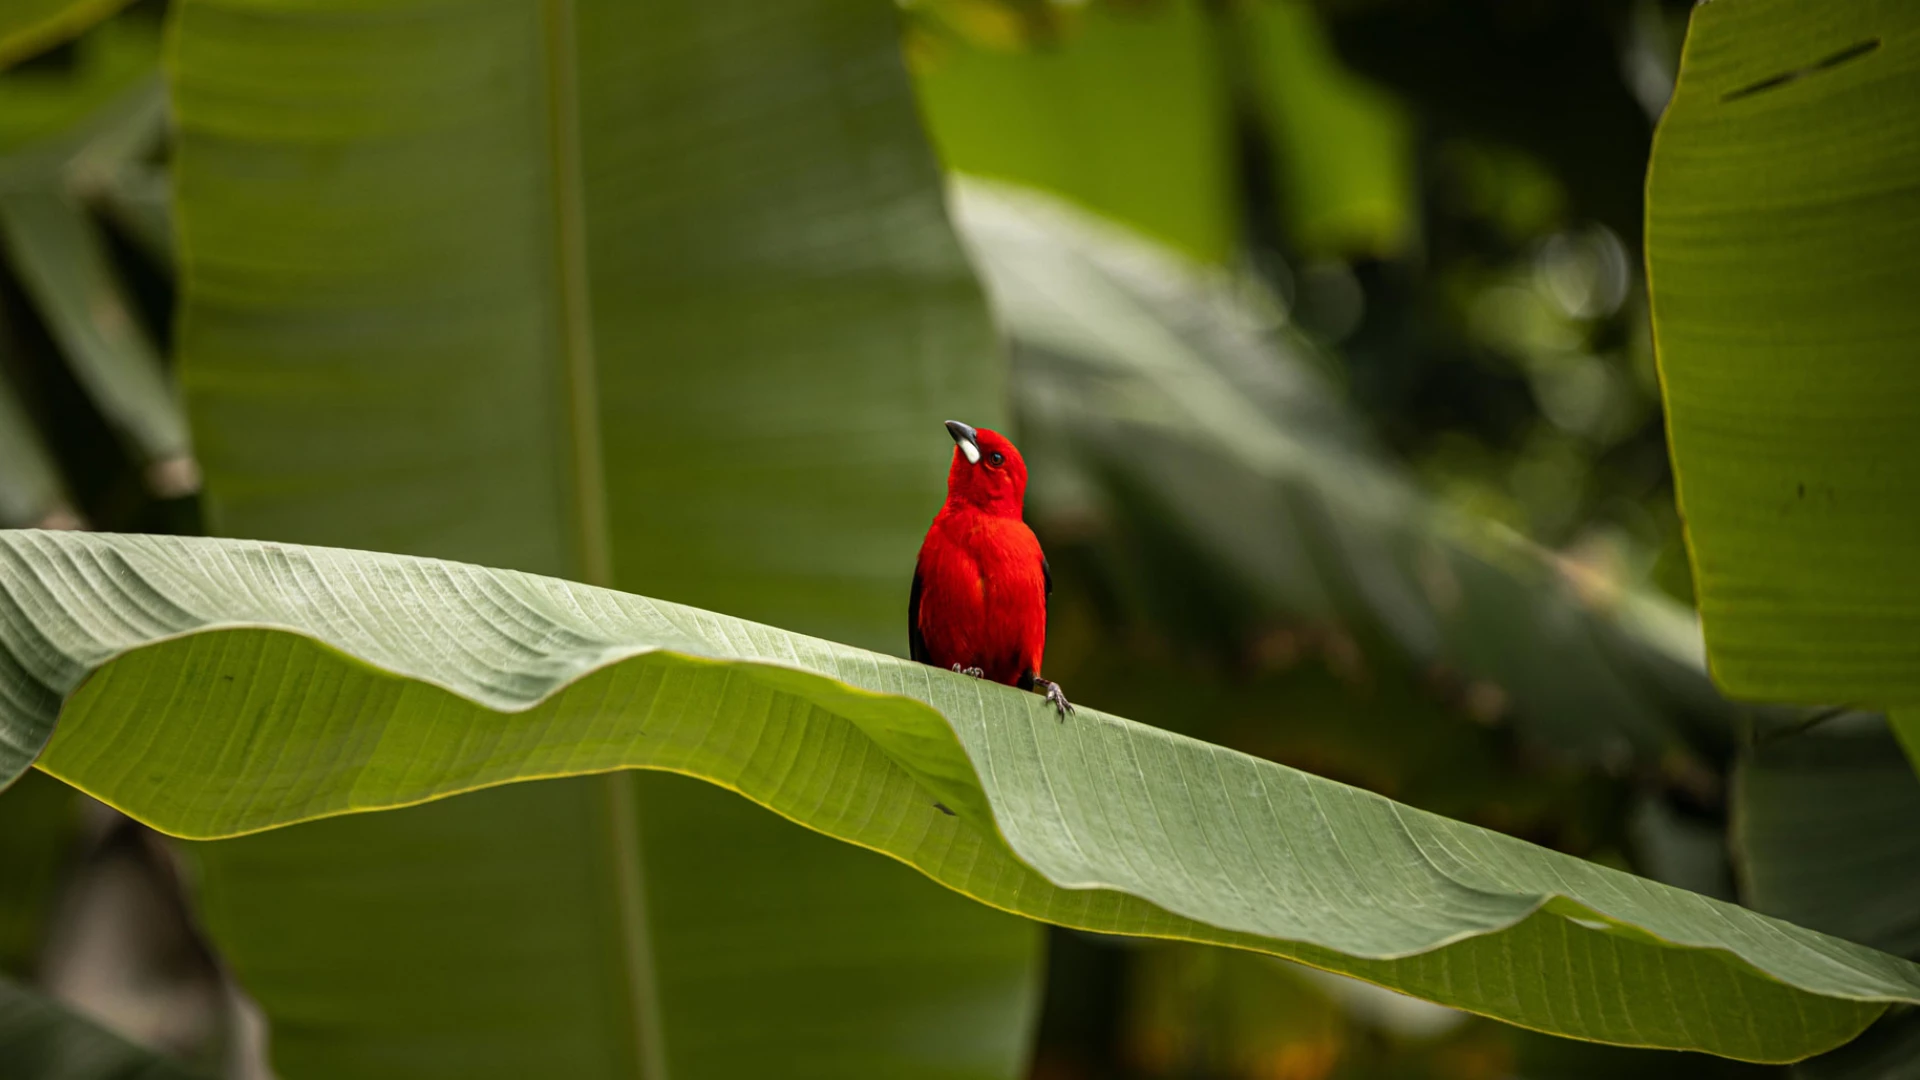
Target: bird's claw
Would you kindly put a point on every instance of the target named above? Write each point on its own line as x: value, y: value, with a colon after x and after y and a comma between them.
x: 971, y: 672
x: 1055, y: 696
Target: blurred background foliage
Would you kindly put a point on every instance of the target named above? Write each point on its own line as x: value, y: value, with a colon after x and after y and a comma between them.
x: 1329, y: 349
x: 1447, y: 194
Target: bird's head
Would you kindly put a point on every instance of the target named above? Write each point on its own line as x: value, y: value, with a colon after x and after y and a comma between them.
x: 987, y: 472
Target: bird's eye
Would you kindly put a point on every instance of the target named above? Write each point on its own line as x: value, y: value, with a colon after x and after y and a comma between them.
x: 996, y: 459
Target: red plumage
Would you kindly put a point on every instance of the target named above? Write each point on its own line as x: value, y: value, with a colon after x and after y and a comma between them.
x: 979, y: 600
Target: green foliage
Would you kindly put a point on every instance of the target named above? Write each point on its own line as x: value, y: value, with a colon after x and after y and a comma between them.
x: 28, y: 27
x: 1906, y: 728
x: 1135, y: 111
x: 1810, y: 825
x: 1344, y: 146
x: 701, y: 346
x: 1783, y: 240
x: 496, y: 922
x: 38, y: 822
x: 572, y: 389
x: 661, y: 299
x: 41, y: 1040
x: 1126, y: 113
x: 60, y: 254
x: 30, y: 487
x: 195, y: 649
x: 1155, y: 397
x: 79, y: 152
x: 1816, y: 824
x: 1554, y: 81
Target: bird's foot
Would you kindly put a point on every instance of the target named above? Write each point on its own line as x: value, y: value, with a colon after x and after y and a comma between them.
x: 1055, y: 696
x: 978, y: 673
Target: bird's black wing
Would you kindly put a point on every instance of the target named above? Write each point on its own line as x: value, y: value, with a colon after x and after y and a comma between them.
x: 916, y: 642
x: 1046, y: 572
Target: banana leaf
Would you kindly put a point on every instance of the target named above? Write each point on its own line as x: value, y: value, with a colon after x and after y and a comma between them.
x: 214, y: 688
x: 1783, y: 240
x: 656, y: 296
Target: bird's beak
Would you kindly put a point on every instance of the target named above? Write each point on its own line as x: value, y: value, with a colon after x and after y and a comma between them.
x: 967, y: 439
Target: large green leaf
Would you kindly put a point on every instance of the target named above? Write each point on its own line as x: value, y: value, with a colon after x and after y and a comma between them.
x: 698, y: 347
x: 1783, y: 241
x: 217, y: 687
x: 42, y: 1040
x: 653, y: 295
x: 767, y: 956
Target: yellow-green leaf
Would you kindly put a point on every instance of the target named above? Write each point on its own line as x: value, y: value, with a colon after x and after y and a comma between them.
x: 1783, y: 247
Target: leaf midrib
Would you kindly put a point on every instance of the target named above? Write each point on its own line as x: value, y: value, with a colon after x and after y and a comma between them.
x: 587, y: 521
x: 573, y: 312
x: 636, y: 938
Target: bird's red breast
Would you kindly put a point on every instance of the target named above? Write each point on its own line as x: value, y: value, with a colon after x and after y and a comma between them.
x: 980, y: 587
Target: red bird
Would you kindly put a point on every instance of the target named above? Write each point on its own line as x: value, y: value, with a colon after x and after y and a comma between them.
x: 979, y: 602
